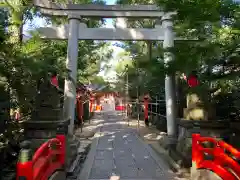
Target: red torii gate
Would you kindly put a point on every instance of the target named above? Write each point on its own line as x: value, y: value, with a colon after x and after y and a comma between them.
x: 96, y: 96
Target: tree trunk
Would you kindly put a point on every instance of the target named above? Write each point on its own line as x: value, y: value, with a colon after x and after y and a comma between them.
x: 16, y: 34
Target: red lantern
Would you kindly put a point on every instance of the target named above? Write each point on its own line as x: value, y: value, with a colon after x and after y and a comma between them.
x: 54, y: 81
x: 192, y: 81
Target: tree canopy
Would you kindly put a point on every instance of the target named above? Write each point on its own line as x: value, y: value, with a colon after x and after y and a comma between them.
x: 24, y: 62
x: 214, y: 56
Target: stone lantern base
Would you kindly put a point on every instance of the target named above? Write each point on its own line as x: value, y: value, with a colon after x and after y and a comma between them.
x: 39, y: 132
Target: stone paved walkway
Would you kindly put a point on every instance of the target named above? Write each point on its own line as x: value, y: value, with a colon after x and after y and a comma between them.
x: 118, y: 151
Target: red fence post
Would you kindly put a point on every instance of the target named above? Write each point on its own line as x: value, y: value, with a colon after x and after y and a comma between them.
x: 91, y: 104
x: 61, y: 136
x: 146, y: 100
x: 25, y: 165
x: 196, y: 155
x: 81, y: 109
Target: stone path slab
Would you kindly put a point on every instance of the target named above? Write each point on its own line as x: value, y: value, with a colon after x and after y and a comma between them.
x: 118, y: 151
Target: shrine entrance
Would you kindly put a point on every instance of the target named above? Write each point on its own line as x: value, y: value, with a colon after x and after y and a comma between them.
x: 107, y: 101
x: 77, y: 30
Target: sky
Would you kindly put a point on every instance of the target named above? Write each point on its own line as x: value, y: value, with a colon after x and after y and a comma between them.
x: 39, y: 22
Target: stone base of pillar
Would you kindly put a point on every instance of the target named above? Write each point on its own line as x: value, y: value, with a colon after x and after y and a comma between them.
x: 168, y: 142
x: 170, y: 145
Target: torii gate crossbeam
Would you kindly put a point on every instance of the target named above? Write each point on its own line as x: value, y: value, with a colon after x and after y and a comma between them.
x: 116, y: 34
x: 98, y: 10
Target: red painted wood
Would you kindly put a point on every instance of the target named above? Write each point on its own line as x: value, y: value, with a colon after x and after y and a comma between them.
x: 222, y: 164
x: 45, y: 161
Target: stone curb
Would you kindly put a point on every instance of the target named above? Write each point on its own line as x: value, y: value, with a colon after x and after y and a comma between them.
x: 174, y: 166
x: 87, y: 166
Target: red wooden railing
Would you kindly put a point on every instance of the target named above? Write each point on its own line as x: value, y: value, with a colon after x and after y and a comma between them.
x: 49, y: 158
x: 224, y: 162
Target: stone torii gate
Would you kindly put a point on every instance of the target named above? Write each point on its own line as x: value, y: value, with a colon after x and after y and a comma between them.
x: 76, y: 30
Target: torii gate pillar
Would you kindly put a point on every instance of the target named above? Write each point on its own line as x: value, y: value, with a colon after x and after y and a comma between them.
x: 71, y: 66
x: 170, y: 94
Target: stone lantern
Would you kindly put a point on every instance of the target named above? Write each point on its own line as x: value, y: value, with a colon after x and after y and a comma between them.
x: 46, y: 116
